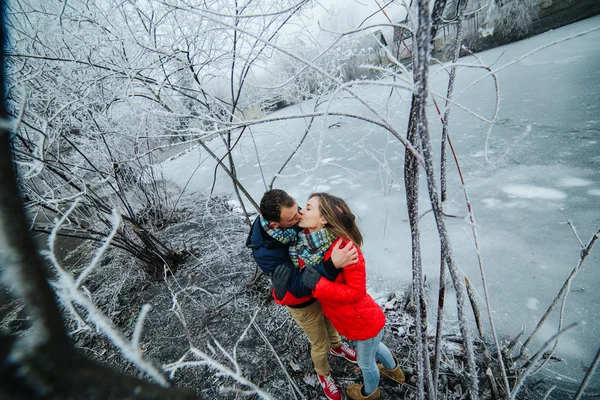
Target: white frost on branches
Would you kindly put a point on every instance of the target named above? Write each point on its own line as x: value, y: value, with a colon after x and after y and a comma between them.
x: 68, y: 290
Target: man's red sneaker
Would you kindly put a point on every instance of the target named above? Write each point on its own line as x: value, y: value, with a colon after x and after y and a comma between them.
x: 331, y: 390
x: 344, y: 351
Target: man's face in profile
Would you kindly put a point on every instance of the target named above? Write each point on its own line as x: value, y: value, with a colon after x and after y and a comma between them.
x: 288, y: 217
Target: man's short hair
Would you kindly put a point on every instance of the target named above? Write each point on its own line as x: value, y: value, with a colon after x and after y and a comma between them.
x: 272, y: 202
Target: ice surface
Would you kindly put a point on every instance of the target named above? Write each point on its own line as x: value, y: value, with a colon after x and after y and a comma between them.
x: 594, y: 192
x: 573, y: 182
x: 522, y: 198
x: 530, y: 192
x: 533, y: 303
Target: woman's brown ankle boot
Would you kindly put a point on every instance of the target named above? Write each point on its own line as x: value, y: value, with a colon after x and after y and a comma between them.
x: 395, y: 374
x: 354, y: 392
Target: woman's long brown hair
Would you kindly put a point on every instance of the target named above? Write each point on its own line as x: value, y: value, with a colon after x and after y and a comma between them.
x: 340, y: 220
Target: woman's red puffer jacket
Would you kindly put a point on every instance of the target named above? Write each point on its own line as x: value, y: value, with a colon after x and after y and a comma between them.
x: 346, y: 303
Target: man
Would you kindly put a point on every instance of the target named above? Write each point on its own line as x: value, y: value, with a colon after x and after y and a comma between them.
x: 270, y: 237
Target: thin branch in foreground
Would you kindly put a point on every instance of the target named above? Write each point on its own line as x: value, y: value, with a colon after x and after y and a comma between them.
x: 205, y: 360
x: 306, y: 132
x: 528, y: 370
x: 563, y: 290
x: 231, y: 175
x: 291, y: 381
x: 588, y: 376
x: 480, y: 263
x: 68, y: 291
x: 421, y: 85
x: 575, y: 232
x: 548, y: 392
x: 139, y: 325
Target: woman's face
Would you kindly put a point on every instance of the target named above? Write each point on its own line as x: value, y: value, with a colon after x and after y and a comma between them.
x: 311, y: 216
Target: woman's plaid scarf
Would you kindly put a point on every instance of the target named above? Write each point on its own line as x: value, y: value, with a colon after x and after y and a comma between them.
x: 284, y: 236
x: 311, y: 247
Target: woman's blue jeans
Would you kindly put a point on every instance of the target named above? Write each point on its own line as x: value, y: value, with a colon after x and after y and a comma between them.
x: 368, y: 352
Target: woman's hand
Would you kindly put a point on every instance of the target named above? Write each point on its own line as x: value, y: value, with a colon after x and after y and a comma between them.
x: 344, y: 257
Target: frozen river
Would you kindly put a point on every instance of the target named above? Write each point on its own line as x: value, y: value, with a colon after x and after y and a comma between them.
x: 522, y: 198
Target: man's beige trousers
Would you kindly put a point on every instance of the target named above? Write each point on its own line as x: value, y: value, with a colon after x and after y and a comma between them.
x: 320, y: 332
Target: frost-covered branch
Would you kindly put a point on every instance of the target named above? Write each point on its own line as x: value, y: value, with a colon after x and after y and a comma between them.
x: 306, y: 132
x: 534, y: 360
x: 318, y: 69
x: 69, y: 293
x: 203, y: 359
x: 42, y: 362
x: 585, y: 251
x: 421, y: 82
x: 588, y: 376
x: 290, y: 380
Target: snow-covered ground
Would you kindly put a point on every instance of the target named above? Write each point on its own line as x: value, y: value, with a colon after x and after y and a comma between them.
x: 522, y: 199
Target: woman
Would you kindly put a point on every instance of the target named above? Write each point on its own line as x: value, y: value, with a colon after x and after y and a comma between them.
x: 345, y: 301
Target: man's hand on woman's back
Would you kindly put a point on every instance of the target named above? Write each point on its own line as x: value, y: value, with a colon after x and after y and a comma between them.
x: 342, y: 257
